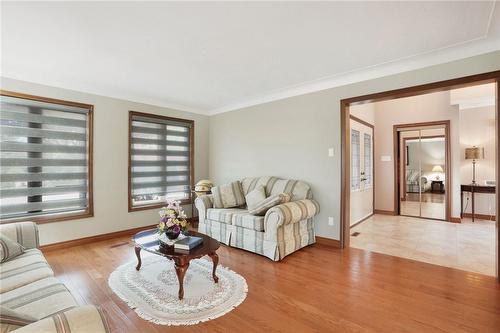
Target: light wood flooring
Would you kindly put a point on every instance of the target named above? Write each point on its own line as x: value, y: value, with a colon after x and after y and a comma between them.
x: 468, y: 245
x: 318, y: 289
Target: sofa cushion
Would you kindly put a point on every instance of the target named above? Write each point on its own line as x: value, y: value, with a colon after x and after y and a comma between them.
x: 10, y: 318
x: 250, y: 183
x: 297, y: 189
x: 269, y: 202
x: 40, y: 299
x: 223, y: 215
x: 25, y: 268
x: 82, y: 319
x: 248, y: 221
x: 255, y: 196
x: 9, y: 249
x: 228, y: 195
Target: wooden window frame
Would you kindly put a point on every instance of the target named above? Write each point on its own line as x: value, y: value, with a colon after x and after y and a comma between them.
x: 131, y: 114
x: 89, y: 212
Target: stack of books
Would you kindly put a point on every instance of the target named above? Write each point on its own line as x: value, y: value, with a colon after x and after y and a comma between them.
x: 188, y: 243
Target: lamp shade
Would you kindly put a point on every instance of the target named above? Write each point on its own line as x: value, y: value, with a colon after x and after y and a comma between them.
x: 474, y: 153
x: 437, y: 168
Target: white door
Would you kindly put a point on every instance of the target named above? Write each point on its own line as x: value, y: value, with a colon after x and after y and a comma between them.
x: 361, y: 171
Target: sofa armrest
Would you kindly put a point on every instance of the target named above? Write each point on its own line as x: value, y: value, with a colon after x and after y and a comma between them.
x: 290, y: 212
x: 203, y: 203
x: 82, y: 319
x: 25, y: 233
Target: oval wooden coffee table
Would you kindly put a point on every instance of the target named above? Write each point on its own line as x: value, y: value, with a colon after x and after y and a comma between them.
x: 148, y: 241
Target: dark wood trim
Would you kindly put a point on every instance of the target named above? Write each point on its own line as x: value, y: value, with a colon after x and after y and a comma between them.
x: 497, y: 166
x: 455, y: 219
x: 385, y: 212
x: 480, y: 216
x: 403, y: 196
x: 445, y: 85
x: 89, y: 212
x: 397, y: 161
x: 361, y: 121
x: 191, y: 159
x: 328, y: 242
x: 93, y: 239
x: 426, y: 88
x: 363, y: 219
x: 345, y: 170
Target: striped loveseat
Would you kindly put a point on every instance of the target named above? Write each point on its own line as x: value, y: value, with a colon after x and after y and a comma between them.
x: 284, y: 229
x: 32, y: 300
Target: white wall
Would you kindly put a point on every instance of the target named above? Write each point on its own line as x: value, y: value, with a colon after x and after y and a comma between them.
x: 111, y: 162
x: 290, y: 137
x: 477, y: 128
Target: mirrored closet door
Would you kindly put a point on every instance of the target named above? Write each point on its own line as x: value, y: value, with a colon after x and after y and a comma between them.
x: 422, y: 172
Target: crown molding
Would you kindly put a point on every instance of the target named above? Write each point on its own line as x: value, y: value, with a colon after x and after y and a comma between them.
x: 111, y: 93
x: 452, y: 53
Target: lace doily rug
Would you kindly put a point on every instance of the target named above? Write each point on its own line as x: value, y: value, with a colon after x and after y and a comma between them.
x: 152, y: 291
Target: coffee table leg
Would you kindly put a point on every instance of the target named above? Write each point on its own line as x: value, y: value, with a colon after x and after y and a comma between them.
x: 138, y: 254
x: 215, y: 259
x: 180, y: 269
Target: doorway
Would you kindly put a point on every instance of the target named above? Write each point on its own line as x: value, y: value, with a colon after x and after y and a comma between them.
x: 384, y: 158
x: 362, y: 170
x: 422, y: 170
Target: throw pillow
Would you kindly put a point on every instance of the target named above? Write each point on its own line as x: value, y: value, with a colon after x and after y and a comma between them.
x: 228, y: 195
x: 274, y: 200
x: 255, y: 196
x: 12, y: 317
x: 9, y: 249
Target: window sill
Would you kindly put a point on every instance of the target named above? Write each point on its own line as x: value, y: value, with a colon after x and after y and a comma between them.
x: 50, y: 219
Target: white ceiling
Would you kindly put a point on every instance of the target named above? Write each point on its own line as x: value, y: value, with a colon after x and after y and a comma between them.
x: 215, y: 57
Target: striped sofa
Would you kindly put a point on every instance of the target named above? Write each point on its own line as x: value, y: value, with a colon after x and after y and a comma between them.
x: 283, y: 230
x: 32, y: 299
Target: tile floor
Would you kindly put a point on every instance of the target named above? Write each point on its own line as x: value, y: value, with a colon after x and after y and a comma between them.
x: 468, y: 246
x: 432, y: 204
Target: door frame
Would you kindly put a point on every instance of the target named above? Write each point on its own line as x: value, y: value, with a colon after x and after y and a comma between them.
x: 397, y: 167
x: 361, y: 121
x: 477, y: 79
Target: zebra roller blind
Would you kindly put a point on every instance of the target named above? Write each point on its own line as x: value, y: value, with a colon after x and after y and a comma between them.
x: 44, y: 158
x: 160, y: 159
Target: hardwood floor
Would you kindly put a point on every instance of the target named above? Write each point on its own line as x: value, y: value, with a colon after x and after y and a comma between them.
x: 318, y: 289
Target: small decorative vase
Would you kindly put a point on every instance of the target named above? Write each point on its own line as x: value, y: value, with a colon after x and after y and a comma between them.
x: 172, y: 233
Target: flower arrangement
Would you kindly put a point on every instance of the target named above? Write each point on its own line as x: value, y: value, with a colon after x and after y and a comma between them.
x: 172, y: 219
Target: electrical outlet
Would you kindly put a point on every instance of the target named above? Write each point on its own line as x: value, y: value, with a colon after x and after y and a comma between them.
x: 330, y: 152
x: 330, y: 221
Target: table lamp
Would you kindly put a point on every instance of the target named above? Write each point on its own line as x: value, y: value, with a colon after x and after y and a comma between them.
x: 474, y: 153
x: 438, y: 169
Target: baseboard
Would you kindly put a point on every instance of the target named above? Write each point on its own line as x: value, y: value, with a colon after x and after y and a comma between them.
x: 455, y: 220
x: 92, y: 239
x: 385, y: 212
x: 362, y: 220
x: 328, y: 242
x: 480, y: 216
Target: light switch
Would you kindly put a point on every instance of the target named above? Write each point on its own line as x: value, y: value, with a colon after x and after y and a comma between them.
x: 386, y: 158
x: 330, y: 221
x: 330, y: 152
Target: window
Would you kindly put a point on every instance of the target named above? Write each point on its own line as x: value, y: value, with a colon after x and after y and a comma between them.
x: 355, y: 160
x: 45, y: 168
x: 160, y: 160
x: 368, y: 159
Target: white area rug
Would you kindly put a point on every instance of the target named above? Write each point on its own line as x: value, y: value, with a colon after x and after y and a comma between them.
x: 152, y: 291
